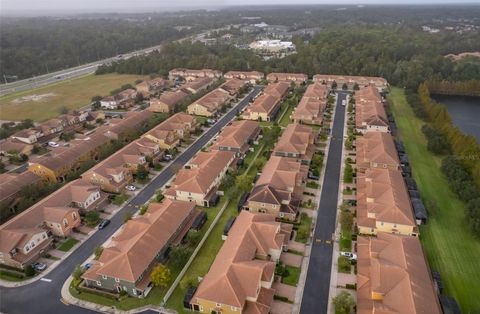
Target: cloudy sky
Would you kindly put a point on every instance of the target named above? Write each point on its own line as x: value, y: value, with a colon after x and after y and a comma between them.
x: 80, y: 6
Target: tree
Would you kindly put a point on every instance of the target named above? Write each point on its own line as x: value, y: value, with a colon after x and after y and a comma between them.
x: 334, y: 85
x: 343, y: 302
x: 98, y: 251
x: 243, y: 182
x: 160, y: 276
x: 142, y: 172
x: 344, y: 86
x: 92, y: 218
x: 29, y: 271
x: 193, y: 237
x: 77, y: 272
x: 179, y: 254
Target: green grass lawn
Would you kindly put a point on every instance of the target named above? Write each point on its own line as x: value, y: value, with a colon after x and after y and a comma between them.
x: 344, y: 265
x: 72, y: 94
x: 67, y: 244
x: 11, y: 276
x: 293, y: 275
x: 285, y: 119
x: 303, y: 231
x: 450, y: 246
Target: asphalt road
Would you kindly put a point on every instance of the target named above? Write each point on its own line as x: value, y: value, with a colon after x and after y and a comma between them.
x: 67, y: 74
x: 317, y: 286
x: 44, y: 297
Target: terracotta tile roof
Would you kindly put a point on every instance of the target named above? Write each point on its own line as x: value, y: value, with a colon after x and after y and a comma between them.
x: 233, y: 86
x: 279, y: 182
x: 11, y: 184
x: 295, y: 77
x: 376, y: 147
x: 263, y: 104
x: 171, y: 99
x: 214, y: 100
x: 296, y: 139
x: 369, y: 108
x: 394, y: 268
x: 12, y: 145
x: 237, y: 134
x: 361, y: 80
x: 277, y: 89
x: 244, y: 75
x: 317, y: 91
x: 198, y: 83
x: 195, y: 73
x: 134, y: 248
x: 310, y: 109
x: 178, y: 123
x: 205, y: 168
x: 235, y: 274
x: 381, y: 193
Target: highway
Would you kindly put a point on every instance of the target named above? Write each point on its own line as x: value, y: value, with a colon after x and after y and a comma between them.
x: 67, y: 74
x: 316, y: 291
x: 44, y: 297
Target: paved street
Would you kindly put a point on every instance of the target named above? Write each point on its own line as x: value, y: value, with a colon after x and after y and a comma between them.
x: 316, y: 290
x: 44, y: 297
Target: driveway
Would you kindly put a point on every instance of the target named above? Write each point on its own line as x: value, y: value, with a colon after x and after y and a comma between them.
x: 44, y: 296
x: 291, y: 259
x: 283, y: 290
x: 279, y: 307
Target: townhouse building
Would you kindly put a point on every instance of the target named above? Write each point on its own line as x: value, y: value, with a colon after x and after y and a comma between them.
x: 379, y: 82
x: 297, y: 142
x: 297, y: 78
x: 210, y: 104
x: 263, y: 108
x: 149, y: 87
x: 126, y: 263
x: 251, y: 76
x: 241, y: 276
x: 370, y: 115
x: 383, y: 203
x: 376, y: 150
x: 277, y: 89
x: 278, y: 190
x: 394, y: 277
x: 168, y: 101
x: 190, y: 74
x: 198, y: 182
x: 311, y: 107
x: 237, y: 137
x: 198, y: 85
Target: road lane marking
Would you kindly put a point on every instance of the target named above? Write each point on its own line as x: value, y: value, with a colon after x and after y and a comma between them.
x: 46, y: 279
x: 318, y: 240
x: 328, y: 241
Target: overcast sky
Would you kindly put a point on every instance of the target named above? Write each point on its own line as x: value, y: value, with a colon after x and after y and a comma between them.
x: 80, y: 6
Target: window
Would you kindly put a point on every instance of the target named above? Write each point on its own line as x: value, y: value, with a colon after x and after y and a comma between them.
x: 99, y: 283
x: 219, y: 304
x: 381, y: 224
x: 65, y: 222
x: 117, y: 280
x: 74, y: 215
x: 394, y: 225
x: 104, y: 276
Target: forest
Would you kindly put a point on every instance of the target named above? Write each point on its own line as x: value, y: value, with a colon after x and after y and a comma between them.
x: 403, y: 55
x: 48, y: 44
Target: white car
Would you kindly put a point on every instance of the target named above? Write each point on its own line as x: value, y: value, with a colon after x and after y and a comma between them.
x: 351, y: 256
x: 344, y: 102
x: 131, y: 187
x: 53, y: 144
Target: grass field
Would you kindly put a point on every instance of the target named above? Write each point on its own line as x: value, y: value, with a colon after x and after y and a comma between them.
x: 451, y: 248
x: 68, y: 244
x: 72, y: 94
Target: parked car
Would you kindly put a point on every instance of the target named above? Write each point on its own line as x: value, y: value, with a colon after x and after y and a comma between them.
x: 39, y: 266
x: 312, y: 176
x: 104, y: 223
x: 87, y: 266
x: 351, y: 256
x: 131, y: 187
x: 167, y: 157
x: 211, y: 121
x: 53, y: 144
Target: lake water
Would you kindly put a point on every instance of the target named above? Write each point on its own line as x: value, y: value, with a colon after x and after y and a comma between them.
x: 465, y: 112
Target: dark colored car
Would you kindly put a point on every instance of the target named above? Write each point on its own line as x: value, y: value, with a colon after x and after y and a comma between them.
x: 104, y: 223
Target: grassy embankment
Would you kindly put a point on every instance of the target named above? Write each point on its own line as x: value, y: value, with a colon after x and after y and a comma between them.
x: 450, y: 246
x: 72, y: 94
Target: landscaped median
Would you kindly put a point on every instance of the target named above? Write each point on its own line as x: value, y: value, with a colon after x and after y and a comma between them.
x: 449, y: 244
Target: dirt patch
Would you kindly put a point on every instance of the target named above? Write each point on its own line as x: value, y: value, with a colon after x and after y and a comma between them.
x: 34, y: 97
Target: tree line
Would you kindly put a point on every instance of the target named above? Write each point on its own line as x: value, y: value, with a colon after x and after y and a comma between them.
x: 403, y: 55
x: 461, y: 164
x: 464, y: 88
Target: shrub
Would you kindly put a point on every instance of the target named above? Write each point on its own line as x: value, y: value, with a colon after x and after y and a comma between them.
x: 29, y: 271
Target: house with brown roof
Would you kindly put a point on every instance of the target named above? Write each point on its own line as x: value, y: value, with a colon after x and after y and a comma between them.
x: 11, y: 185
x: 376, y: 150
x: 233, y: 86
x: 361, y: 81
x: 251, y: 76
x: 190, y: 75
x: 394, y: 277
x: 197, y: 85
x: 297, y: 78
x: 297, y: 142
x: 241, y: 276
x: 9, y: 146
x: 278, y: 89
x: 312, y: 105
x: 146, y: 88
x: 238, y: 136
x: 27, y: 136
x: 370, y: 113
x: 167, y: 101
x: 199, y: 180
x: 165, y: 138
x: 383, y: 203
x: 126, y: 263
x: 279, y: 188
x: 263, y: 108
x: 210, y: 104
x: 51, y: 126
x: 180, y: 123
